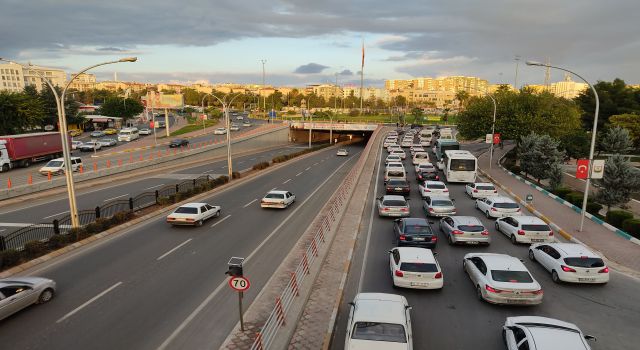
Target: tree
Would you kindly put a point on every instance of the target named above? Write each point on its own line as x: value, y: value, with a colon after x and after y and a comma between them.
x: 615, y: 98
x: 526, y: 152
x: 631, y: 122
x: 117, y: 107
x: 19, y: 112
x: 462, y: 96
x: 616, y: 140
x: 538, y: 155
x: 620, y: 180
x: 555, y: 176
x: 417, y: 114
x: 576, y: 144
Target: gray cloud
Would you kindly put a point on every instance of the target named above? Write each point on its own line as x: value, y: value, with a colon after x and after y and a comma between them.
x: 310, y: 68
x: 346, y: 72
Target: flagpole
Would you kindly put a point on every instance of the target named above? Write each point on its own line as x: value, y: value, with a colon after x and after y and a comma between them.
x: 362, y: 77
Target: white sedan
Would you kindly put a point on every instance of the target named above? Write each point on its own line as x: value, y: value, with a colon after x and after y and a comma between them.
x: 498, y: 206
x: 570, y: 262
x: 277, y: 199
x: 220, y: 131
x: 342, y: 152
x: 17, y: 293
x: 502, y: 279
x: 413, y: 267
x: 480, y: 190
x: 193, y: 214
x: 540, y: 333
x: 525, y: 229
x: 433, y: 188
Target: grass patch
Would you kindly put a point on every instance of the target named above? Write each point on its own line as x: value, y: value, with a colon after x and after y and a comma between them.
x: 194, y: 127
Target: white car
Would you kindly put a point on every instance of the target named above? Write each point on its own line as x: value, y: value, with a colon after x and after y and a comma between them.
x: 17, y: 293
x: 502, y: 279
x: 464, y: 229
x: 76, y: 144
x: 394, y: 147
x: 342, y: 152
x: 392, y: 158
x: 193, y: 214
x: 406, y: 143
x: 420, y: 158
x: 525, y: 229
x: 433, y: 188
x: 392, y: 205
x: 413, y: 267
x: 426, y: 166
x: 395, y: 166
x: 570, y: 262
x: 239, y: 117
x: 542, y: 333
x: 498, y: 206
x: 145, y: 131
x: 277, y: 199
x: 399, y: 153
x: 438, y: 206
x: 481, y: 190
x: 425, y: 142
x: 220, y: 131
x: 379, y: 321
x: 234, y: 127
x: 57, y: 167
x: 389, y: 142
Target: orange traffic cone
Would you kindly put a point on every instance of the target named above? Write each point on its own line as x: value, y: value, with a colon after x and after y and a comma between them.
x: 30, y: 180
x: 49, y: 176
x: 9, y: 183
x: 108, y: 163
x: 95, y: 166
x: 81, y: 169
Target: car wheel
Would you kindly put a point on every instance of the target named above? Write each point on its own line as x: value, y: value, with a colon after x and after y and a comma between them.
x: 554, y: 276
x: 45, y: 296
x: 513, y: 239
x: 450, y: 239
x: 487, y: 214
x: 479, y: 293
x: 497, y: 227
x: 476, y: 205
x: 199, y: 223
x: 531, y: 256
x: 5, y: 168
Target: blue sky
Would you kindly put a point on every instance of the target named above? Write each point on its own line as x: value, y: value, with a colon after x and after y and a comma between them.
x: 224, y: 40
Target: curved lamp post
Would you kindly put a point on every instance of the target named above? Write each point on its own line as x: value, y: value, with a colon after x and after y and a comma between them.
x: 593, y: 135
x: 225, y: 107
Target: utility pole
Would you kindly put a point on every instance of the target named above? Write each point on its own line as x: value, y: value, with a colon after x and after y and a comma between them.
x: 517, y: 58
x: 264, y: 98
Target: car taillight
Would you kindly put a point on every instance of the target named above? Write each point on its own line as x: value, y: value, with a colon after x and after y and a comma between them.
x: 519, y: 210
x: 495, y: 191
x: 427, y: 190
x: 567, y: 269
x: 431, y: 210
x: 434, y: 238
x: 475, y: 191
x: 402, y: 238
x: 550, y: 233
x: 494, y: 209
x: 457, y: 232
x: 438, y: 275
x: 535, y: 292
x: 521, y: 232
x: 189, y: 219
x: 605, y: 270
x: 385, y: 209
x: 399, y: 273
x: 445, y: 191
x: 437, y: 177
x: 485, y: 233
x: 491, y: 289
x: 404, y: 209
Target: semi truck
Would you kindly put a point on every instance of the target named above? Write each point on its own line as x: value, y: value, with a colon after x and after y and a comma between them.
x: 22, y: 150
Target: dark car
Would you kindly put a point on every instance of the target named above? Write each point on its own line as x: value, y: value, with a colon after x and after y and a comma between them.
x: 414, y: 232
x: 398, y: 186
x: 179, y: 143
x: 427, y: 175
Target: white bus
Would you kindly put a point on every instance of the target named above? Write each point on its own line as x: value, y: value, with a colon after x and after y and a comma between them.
x: 128, y: 134
x: 459, y: 166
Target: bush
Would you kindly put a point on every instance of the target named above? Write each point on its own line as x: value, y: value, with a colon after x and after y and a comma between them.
x: 57, y: 241
x: 9, y: 258
x: 562, y: 192
x: 280, y: 159
x: 261, y: 165
x: 90, y: 229
x: 236, y: 175
x: 102, y: 224
x: 516, y: 169
x: 73, y: 234
x: 164, y: 201
x: 594, y: 208
x: 574, y: 198
x: 34, y: 249
x: 617, y: 217
x: 632, y: 227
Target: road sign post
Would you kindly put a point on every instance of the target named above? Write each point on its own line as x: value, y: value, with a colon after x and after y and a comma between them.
x: 238, y: 283
x: 529, y: 198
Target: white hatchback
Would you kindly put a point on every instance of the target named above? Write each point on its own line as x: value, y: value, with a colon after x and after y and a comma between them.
x: 277, y: 199
x: 413, y: 267
x: 498, y: 206
x: 426, y: 166
x: 570, y: 262
x: 524, y: 229
x: 480, y: 190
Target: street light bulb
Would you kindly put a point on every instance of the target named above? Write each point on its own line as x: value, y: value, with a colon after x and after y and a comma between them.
x: 128, y: 59
x: 534, y: 63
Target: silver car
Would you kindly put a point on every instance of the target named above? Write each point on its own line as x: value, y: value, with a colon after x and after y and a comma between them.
x: 541, y: 333
x: 17, y: 293
x: 464, y: 229
x: 107, y: 142
x: 391, y: 205
x: 438, y: 206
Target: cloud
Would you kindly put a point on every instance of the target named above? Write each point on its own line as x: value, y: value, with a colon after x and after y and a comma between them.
x: 346, y: 72
x: 310, y: 68
x: 111, y: 49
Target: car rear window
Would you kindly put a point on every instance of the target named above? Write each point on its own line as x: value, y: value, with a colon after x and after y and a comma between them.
x: 54, y: 163
x: 394, y: 182
x: 511, y: 276
x: 471, y: 228
x: 584, y: 262
x: 186, y: 210
x: 436, y: 186
x: 394, y: 203
x: 274, y: 195
x: 442, y: 203
x: 417, y: 229
x: 377, y: 331
x: 485, y: 188
x: 506, y: 205
x: 536, y: 228
x: 396, y: 173
x: 418, y: 267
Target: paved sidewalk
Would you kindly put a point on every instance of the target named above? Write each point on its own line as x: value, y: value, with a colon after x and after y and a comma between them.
x: 613, y: 247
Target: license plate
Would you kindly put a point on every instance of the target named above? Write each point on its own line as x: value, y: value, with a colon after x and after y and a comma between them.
x: 586, y: 279
x: 418, y: 239
x: 537, y: 240
x: 419, y: 284
x: 472, y: 242
x: 398, y: 189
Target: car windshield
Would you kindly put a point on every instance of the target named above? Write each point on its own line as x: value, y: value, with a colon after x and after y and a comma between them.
x: 511, y: 276
x: 485, y: 188
x: 274, y: 195
x: 377, y: 331
x: 471, y: 228
x: 394, y: 203
x: 418, y: 267
x: 463, y: 164
x: 506, y: 205
x: 536, y: 228
x: 186, y: 210
x: 441, y: 203
x: 54, y: 163
x: 421, y: 155
x: 436, y: 186
x: 417, y: 229
x: 585, y: 262
x: 394, y: 182
x: 105, y: 140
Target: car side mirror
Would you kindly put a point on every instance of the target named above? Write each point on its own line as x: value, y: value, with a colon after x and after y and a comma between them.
x: 408, y: 307
x: 397, y: 220
x: 521, y: 260
x: 435, y: 253
x: 352, y: 303
x: 453, y: 200
x: 590, y: 337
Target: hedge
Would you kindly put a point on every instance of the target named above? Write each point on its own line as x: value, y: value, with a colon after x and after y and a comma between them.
x: 562, y: 192
x: 632, y: 227
x: 617, y: 217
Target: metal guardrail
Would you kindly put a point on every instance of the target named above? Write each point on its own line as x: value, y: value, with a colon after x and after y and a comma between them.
x: 44, y: 231
x: 277, y: 318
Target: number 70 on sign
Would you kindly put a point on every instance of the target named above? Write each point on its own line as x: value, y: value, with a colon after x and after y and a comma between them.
x: 240, y: 284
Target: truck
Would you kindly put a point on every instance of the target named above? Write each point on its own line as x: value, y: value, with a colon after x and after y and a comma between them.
x: 22, y: 150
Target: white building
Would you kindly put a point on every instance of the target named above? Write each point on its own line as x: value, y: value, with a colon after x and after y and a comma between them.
x: 14, y: 77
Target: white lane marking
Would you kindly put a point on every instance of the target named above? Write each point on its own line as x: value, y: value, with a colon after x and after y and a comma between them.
x: 2, y: 230
x: 298, y: 174
x: 224, y: 283
x: 152, y: 187
x: 174, y: 249
x: 224, y: 167
x: 373, y: 208
x: 273, y: 189
x: 322, y: 161
x: 241, y: 162
x: 307, y: 168
x: 286, y: 181
x: 221, y: 220
x: 50, y: 216
x: 252, y: 159
x: 20, y: 224
x: 315, y: 163
x: 248, y: 204
x: 74, y: 311
x: 124, y: 195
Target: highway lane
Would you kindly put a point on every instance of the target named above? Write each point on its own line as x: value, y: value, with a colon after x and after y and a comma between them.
x: 453, y: 318
x: 47, y: 211
x: 146, y: 282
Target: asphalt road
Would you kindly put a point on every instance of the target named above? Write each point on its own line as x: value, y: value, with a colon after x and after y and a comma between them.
x: 453, y: 319
x: 158, y: 287
x: 13, y: 217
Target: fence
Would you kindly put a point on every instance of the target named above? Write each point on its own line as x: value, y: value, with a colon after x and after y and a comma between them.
x: 44, y: 231
x: 283, y: 303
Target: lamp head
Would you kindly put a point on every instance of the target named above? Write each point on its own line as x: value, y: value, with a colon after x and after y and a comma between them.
x: 128, y: 59
x: 535, y: 63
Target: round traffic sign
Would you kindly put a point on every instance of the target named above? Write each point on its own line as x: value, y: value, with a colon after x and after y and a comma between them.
x: 240, y: 284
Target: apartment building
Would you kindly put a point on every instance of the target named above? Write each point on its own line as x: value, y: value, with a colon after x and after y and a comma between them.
x: 14, y: 77
x: 11, y: 77
x: 83, y: 82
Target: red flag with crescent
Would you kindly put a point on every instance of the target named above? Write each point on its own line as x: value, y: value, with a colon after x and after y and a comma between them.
x: 582, y: 169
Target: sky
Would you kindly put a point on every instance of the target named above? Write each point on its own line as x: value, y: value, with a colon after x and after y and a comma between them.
x: 310, y: 42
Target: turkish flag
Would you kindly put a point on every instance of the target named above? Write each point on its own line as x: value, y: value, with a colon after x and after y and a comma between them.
x: 496, y: 139
x: 151, y: 124
x: 582, y: 169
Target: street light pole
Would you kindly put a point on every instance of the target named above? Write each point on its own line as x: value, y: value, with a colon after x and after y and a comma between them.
x: 264, y: 98
x: 225, y: 108
x: 493, y: 124
x: 593, y: 135
x: 517, y: 58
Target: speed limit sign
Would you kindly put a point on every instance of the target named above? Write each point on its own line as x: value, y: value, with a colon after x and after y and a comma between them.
x: 240, y: 284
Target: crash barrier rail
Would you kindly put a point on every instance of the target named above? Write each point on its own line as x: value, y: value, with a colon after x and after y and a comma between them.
x: 330, y: 213
x: 44, y: 231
